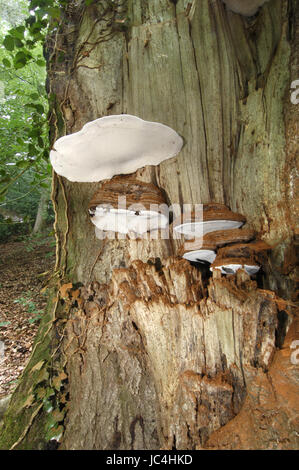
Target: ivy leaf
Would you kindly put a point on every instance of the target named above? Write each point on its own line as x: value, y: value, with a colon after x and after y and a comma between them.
x: 40, y: 392
x: 41, y: 63
x: 57, y: 381
x: 55, y: 433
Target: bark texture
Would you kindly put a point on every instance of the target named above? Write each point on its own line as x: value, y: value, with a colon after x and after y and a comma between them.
x: 157, y: 354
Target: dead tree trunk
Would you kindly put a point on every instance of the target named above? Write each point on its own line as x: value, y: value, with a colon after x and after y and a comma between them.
x: 139, y: 350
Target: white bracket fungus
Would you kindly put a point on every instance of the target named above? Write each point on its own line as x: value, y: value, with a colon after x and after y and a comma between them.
x: 198, y: 251
x: 113, y: 145
x: 128, y: 221
x: 215, y: 217
x: 126, y: 205
x: 230, y: 267
x: 245, y: 7
x: 200, y: 256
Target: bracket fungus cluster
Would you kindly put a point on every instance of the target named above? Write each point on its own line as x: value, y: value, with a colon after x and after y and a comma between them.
x: 245, y: 7
x: 124, y: 204
x: 226, y: 249
x: 118, y: 145
x: 240, y: 255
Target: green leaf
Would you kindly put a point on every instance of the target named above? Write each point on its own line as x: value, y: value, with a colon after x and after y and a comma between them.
x: 32, y: 150
x: 22, y: 164
x: 41, y: 63
x: 6, y: 63
x: 34, y: 96
x: 18, y: 42
x: 20, y: 59
x: 54, y: 12
x: 18, y: 32
x: 9, y: 43
x: 4, y: 323
x: 40, y: 142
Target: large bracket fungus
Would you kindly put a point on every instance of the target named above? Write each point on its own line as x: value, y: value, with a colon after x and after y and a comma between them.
x: 214, y: 217
x: 113, y: 145
x: 126, y: 205
x: 245, y: 7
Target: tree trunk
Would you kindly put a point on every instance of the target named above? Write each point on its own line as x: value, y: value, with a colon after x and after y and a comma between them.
x: 40, y: 215
x: 139, y: 349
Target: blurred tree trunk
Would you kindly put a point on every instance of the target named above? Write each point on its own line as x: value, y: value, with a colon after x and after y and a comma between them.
x: 139, y: 350
x: 41, y: 212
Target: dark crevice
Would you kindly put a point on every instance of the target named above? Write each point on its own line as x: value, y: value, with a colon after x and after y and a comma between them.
x: 281, y: 330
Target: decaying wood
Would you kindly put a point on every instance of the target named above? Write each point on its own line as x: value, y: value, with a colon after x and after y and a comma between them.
x: 179, y: 351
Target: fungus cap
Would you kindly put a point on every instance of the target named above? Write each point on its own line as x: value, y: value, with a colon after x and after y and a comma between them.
x: 251, y: 250
x: 126, y: 205
x: 231, y: 265
x: 198, y: 250
x: 245, y: 7
x: 126, y: 221
x: 113, y: 145
x: 226, y: 237
x: 200, y: 256
x: 215, y: 217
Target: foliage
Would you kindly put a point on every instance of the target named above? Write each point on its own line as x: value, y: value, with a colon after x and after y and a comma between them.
x: 24, y: 167
x: 25, y: 170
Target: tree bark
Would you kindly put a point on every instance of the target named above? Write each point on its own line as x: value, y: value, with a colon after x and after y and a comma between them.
x: 140, y: 349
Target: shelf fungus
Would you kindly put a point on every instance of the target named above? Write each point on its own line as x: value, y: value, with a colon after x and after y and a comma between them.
x: 113, y: 145
x: 198, y: 251
x: 227, y: 237
x: 203, y: 250
x: 212, y: 217
x: 245, y: 7
x: 126, y: 205
x: 240, y: 256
